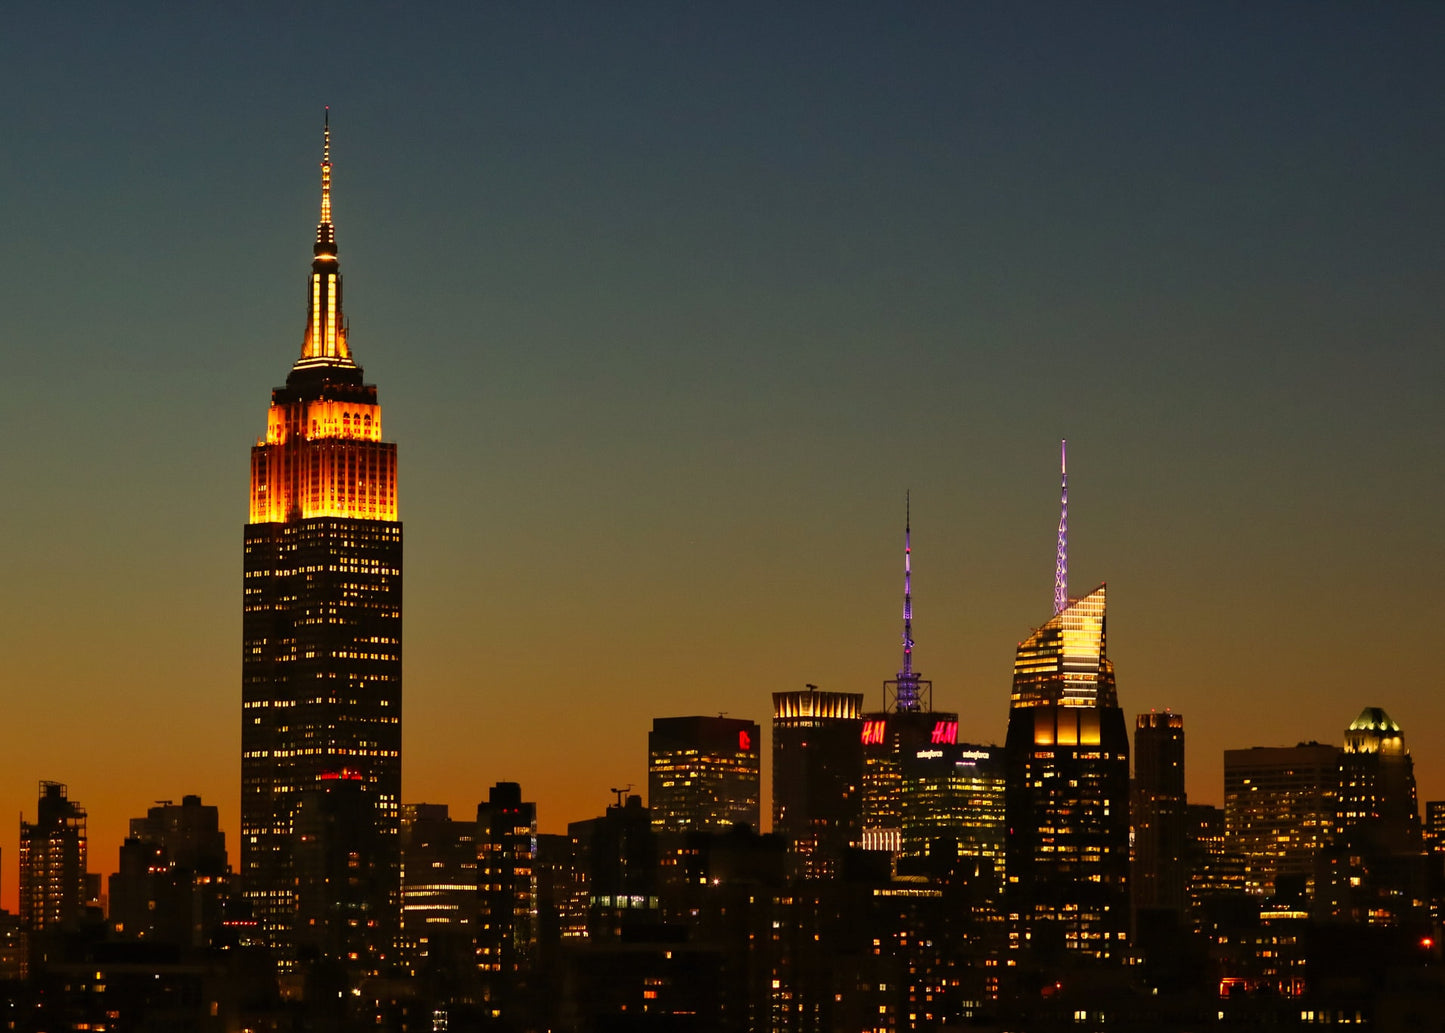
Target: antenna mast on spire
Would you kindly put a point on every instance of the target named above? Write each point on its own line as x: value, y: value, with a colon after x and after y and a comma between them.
x: 907, y: 672
x: 1061, y: 563
x: 325, y: 234
x: 908, y: 691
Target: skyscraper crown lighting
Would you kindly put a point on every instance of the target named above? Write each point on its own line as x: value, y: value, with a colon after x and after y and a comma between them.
x: 1066, y: 661
x: 323, y: 455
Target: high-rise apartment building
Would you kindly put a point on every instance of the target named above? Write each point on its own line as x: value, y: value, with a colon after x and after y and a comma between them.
x: 1159, y: 813
x: 703, y: 773
x: 817, y: 773
x: 321, y: 656
x: 53, y: 890
x: 1067, y: 793
x: 1279, y: 809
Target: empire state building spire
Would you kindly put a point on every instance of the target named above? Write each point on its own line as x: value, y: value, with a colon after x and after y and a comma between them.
x: 325, y: 343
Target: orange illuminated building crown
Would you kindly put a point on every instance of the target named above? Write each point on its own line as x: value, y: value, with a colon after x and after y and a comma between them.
x: 322, y: 455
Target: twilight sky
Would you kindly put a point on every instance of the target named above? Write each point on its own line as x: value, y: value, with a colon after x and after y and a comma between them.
x: 668, y: 305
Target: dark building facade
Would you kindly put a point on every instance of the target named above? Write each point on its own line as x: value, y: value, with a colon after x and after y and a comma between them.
x: 615, y: 868
x: 703, y: 774
x: 817, y: 777
x: 506, y: 923
x: 1067, y: 794
x: 173, y: 878
x: 1159, y: 813
x: 344, y: 931
x: 321, y: 656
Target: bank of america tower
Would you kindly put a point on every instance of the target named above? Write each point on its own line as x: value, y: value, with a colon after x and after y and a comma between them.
x: 321, y: 661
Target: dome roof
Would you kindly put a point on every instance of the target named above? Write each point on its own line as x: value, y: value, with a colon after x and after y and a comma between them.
x: 1374, y: 719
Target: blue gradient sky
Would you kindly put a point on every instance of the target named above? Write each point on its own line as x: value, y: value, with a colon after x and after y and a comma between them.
x: 668, y: 305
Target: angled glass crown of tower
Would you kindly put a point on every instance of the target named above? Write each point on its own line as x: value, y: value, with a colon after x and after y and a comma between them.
x: 321, y: 657
x: 1067, y: 790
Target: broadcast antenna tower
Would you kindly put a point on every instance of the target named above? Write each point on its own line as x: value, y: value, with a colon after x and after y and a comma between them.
x: 909, y: 690
x: 1061, y: 564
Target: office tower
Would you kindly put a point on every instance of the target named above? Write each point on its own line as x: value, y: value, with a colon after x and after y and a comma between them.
x: 1377, y: 778
x: 1067, y: 792
x: 53, y: 884
x: 506, y: 926
x: 817, y: 771
x: 438, y: 895
x: 173, y: 878
x: 1373, y: 870
x: 956, y: 794
x: 905, y: 729
x: 1279, y: 808
x: 321, y: 658
x: 702, y: 773
x: 1159, y: 813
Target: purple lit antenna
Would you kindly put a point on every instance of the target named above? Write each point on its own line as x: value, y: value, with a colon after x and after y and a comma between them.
x: 1061, y: 564
x: 907, y: 692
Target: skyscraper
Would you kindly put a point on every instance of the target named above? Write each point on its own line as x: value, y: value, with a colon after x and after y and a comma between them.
x: 1159, y: 816
x: 906, y: 730
x: 1279, y: 809
x: 321, y: 656
x: 955, y: 794
x: 1374, y: 868
x: 702, y: 773
x: 1377, y: 778
x: 1067, y: 784
x: 817, y: 770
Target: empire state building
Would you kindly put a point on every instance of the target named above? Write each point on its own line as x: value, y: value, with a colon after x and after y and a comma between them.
x: 321, y: 655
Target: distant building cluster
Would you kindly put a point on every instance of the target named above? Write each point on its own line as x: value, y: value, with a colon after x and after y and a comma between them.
x: 914, y: 878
